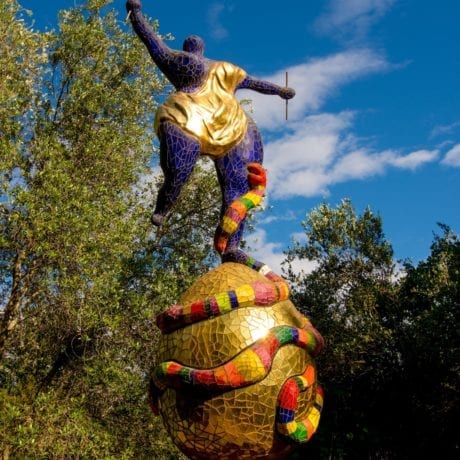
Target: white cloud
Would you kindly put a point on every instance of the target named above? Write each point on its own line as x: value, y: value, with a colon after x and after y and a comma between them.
x: 218, y: 31
x: 364, y: 163
x: 299, y: 237
x: 298, y: 161
x: 352, y: 18
x: 288, y: 215
x: 445, y: 129
x: 312, y: 143
x: 452, y: 157
x: 314, y: 81
x: 271, y: 253
x: 316, y: 150
x: 303, y: 266
x: 415, y: 159
x: 322, y: 151
x: 358, y: 164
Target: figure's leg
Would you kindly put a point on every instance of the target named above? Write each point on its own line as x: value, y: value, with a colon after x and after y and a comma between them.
x: 232, y: 171
x: 178, y: 154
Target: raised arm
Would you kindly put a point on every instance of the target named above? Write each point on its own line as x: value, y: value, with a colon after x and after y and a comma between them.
x: 183, y: 69
x: 266, y: 87
x: 160, y: 53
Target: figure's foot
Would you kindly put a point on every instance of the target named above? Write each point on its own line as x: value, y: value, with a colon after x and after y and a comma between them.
x: 220, y: 240
x: 158, y: 219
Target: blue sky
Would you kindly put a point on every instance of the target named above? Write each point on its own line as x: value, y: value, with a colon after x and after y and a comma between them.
x: 377, y: 112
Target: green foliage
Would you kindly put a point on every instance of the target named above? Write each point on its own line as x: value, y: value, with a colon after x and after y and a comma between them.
x: 80, y: 267
x: 353, y: 269
x: 426, y: 318
x: 343, y: 295
x: 390, y: 367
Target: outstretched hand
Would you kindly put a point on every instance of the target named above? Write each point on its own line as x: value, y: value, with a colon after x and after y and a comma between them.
x: 132, y: 5
x: 287, y: 93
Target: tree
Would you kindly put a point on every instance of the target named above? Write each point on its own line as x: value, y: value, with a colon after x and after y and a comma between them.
x: 390, y: 367
x: 346, y: 296
x: 81, y: 272
x: 426, y: 320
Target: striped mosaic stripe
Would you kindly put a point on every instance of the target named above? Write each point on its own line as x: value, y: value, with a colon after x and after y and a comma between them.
x: 238, y: 210
x: 261, y: 294
x: 299, y: 431
x: 247, y: 367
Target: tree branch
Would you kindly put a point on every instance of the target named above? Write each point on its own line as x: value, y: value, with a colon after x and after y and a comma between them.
x: 11, y: 311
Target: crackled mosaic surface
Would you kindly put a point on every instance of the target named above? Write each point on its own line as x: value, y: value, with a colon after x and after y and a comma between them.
x: 236, y: 378
x: 228, y: 417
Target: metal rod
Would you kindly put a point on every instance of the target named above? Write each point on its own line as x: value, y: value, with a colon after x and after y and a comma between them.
x: 287, y: 79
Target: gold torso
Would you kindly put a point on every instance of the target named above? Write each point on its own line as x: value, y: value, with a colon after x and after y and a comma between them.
x: 211, y: 114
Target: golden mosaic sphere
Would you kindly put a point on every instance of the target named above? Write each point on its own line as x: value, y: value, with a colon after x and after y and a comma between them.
x: 240, y: 423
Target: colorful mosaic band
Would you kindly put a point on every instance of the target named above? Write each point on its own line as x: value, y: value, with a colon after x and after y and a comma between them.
x: 238, y: 210
x: 254, y: 294
x: 240, y: 257
x: 248, y: 367
x: 286, y: 423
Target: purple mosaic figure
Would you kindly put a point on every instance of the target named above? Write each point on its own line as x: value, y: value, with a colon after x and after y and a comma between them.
x: 202, y: 117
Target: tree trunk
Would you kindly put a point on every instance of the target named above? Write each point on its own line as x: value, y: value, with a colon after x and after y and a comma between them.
x: 11, y: 310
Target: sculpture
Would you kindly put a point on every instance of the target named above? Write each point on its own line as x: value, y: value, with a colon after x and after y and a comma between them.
x: 202, y: 117
x: 236, y: 371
